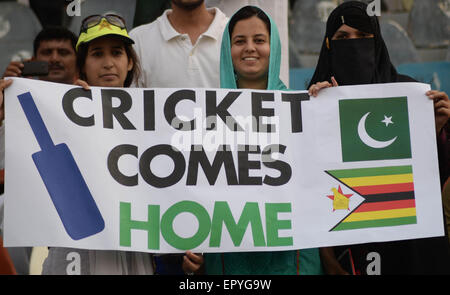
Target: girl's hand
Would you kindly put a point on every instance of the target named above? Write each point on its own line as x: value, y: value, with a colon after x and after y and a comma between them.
x: 441, y: 108
x: 83, y: 84
x: 315, y: 88
x: 192, y: 263
x: 3, y: 85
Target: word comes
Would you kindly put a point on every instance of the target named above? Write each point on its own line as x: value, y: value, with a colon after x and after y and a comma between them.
x: 198, y: 158
x: 161, y: 224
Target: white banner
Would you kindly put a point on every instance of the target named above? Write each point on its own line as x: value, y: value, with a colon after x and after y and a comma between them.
x: 218, y: 170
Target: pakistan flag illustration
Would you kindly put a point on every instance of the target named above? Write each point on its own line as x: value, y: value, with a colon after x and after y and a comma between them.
x: 374, y: 129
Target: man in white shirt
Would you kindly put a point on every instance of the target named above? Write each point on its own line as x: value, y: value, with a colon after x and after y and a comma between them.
x: 182, y: 47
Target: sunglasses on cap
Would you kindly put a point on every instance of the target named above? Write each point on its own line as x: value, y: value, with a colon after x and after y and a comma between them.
x: 93, y: 20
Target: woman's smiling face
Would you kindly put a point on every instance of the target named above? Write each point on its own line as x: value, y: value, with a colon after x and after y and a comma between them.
x: 250, y: 49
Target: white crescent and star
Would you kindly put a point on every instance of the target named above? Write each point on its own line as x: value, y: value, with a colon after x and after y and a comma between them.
x: 367, y: 139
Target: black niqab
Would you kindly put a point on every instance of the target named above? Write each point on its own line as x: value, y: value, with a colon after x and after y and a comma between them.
x: 351, y: 59
x: 355, y: 61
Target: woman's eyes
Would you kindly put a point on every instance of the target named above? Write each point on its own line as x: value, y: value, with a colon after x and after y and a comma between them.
x: 117, y: 52
x: 359, y: 36
x: 367, y: 36
x: 342, y: 36
x: 243, y: 41
x: 100, y: 53
x: 97, y: 53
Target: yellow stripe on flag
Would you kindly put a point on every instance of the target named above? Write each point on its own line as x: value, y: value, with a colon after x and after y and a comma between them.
x: 377, y: 180
x: 394, y: 213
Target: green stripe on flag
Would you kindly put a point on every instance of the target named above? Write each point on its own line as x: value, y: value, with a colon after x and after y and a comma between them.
x: 376, y: 223
x: 361, y: 172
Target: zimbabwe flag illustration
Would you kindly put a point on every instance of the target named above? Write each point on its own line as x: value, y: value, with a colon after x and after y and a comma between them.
x: 388, y: 193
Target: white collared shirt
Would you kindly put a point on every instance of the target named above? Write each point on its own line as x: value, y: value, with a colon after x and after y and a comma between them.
x: 168, y: 59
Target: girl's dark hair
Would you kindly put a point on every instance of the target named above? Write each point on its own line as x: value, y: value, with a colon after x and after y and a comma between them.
x: 245, y: 13
x: 132, y: 75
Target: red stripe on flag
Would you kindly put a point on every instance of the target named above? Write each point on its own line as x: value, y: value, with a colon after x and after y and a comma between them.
x: 389, y: 205
x: 384, y: 188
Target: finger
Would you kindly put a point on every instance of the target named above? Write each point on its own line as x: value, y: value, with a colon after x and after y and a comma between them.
x: 437, y: 95
x: 312, y: 90
x: 5, y: 84
x: 316, y: 90
x: 443, y: 111
x: 189, y: 266
x: 83, y: 84
x: 324, y: 84
x: 12, y: 72
x: 14, y: 69
x: 196, y: 258
x: 334, y: 82
x: 431, y: 93
x: 441, y: 95
x: 441, y: 103
x: 16, y: 64
x: 319, y: 85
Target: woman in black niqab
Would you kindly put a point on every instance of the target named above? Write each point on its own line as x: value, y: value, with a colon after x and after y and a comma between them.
x: 365, y: 60
x: 355, y: 61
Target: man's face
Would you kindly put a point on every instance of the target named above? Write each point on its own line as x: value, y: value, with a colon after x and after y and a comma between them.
x: 61, y: 60
x: 188, y: 4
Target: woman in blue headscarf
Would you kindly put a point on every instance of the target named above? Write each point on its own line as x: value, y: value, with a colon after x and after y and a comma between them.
x: 250, y: 58
x: 251, y: 52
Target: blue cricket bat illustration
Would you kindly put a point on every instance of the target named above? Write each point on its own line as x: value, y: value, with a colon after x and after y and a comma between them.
x: 62, y: 178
